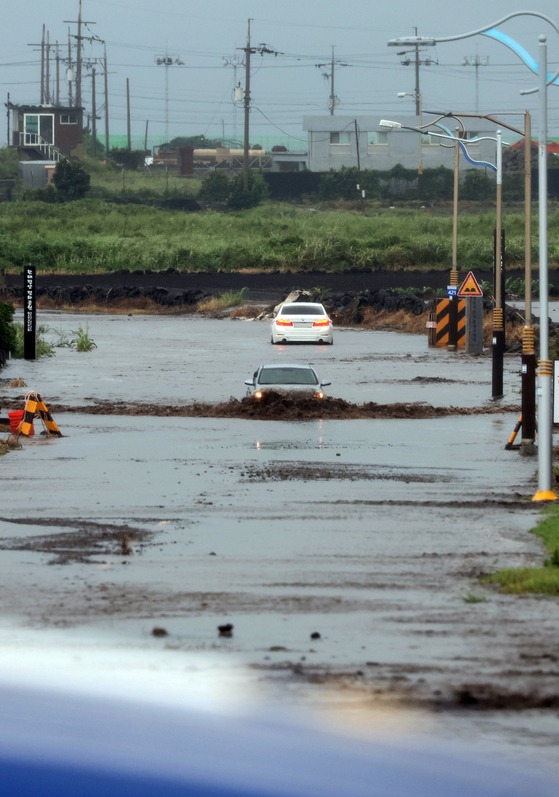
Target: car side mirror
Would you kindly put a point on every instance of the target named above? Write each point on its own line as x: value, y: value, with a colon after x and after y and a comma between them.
x: 323, y: 384
x: 249, y: 381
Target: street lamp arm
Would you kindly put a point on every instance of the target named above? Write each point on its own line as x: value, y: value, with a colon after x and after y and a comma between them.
x: 489, y: 117
x: 449, y: 137
x: 426, y: 40
x: 463, y: 146
x: 488, y: 30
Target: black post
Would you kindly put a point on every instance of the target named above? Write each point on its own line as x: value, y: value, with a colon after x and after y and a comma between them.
x: 29, y: 315
x: 453, y: 323
x: 498, y: 322
x: 527, y: 447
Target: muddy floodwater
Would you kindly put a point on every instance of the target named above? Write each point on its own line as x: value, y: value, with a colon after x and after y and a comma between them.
x: 344, y: 553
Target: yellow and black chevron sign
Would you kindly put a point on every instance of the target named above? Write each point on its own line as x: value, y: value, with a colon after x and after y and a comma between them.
x: 443, y: 312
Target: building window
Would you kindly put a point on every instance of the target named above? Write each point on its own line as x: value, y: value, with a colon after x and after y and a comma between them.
x: 376, y: 139
x: 427, y: 140
x: 68, y: 119
x: 343, y: 137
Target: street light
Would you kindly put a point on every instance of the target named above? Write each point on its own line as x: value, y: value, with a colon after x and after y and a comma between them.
x: 527, y: 447
x: 237, y: 94
x: 459, y: 144
x: 167, y: 61
x: 545, y: 370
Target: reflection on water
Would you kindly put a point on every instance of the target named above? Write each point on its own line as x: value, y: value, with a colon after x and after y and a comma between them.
x: 283, y: 445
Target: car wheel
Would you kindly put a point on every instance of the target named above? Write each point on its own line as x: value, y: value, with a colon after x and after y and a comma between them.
x: 273, y: 342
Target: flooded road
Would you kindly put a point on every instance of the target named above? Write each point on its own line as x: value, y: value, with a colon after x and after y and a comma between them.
x: 371, y: 534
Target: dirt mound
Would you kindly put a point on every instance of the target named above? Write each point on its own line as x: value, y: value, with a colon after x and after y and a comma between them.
x: 273, y: 407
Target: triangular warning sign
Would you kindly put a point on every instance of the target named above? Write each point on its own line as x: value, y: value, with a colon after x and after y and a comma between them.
x: 470, y: 287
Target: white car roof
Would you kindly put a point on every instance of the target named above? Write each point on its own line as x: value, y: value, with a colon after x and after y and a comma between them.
x: 286, y: 365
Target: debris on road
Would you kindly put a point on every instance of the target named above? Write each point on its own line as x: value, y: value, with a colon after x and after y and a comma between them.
x: 277, y: 407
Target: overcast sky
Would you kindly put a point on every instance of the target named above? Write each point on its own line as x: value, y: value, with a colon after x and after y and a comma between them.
x: 286, y: 87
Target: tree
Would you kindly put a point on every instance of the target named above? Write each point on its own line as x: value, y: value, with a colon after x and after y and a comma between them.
x: 198, y: 142
x: 71, y: 180
x: 477, y: 186
x: 513, y: 157
x: 88, y: 146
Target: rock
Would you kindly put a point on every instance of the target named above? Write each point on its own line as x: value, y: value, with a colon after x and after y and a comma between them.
x: 225, y: 630
x: 157, y: 631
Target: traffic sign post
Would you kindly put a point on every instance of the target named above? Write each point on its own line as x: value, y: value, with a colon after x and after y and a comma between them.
x: 471, y: 291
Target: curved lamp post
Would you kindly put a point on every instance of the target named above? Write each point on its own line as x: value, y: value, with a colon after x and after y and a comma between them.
x: 498, y: 168
x: 545, y: 369
x: 527, y: 447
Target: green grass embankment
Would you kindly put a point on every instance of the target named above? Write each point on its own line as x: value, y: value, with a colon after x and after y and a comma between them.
x: 95, y: 236
x: 543, y: 580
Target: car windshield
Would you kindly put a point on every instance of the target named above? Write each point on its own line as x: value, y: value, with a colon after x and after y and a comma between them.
x: 302, y: 309
x: 287, y: 376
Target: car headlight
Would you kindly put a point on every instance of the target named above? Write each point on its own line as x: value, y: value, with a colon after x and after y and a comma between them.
x: 257, y: 394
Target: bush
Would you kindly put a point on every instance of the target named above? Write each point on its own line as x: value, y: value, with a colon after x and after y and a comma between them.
x: 215, y: 188
x: 343, y: 184
x: 70, y: 180
x: 239, y: 199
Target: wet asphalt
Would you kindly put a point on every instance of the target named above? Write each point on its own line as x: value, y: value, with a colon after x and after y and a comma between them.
x: 369, y: 533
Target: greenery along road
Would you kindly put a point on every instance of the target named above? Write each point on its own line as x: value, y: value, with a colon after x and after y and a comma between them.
x: 93, y: 236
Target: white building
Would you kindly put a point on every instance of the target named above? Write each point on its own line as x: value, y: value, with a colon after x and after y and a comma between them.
x: 336, y: 141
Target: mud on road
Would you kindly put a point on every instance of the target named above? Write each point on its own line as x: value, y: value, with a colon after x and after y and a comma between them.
x: 273, y: 407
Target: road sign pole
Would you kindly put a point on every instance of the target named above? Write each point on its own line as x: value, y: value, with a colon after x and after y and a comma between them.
x: 29, y: 314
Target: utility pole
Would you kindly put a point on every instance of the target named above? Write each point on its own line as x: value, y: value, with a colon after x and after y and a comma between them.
x: 417, y: 62
x: 128, y: 113
x: 333, y: 101
x: 417, y: 108
x: 107, y: 147
x: 248, y: 51
x: 43, y: 67
x: 93, y: 116
x: 47, y: 75
x: 57, y: 96
x: 42, y: 46
x: 8, y: 120
x: 70, y: 71
x: 79, y: 22
x: 332, y: 95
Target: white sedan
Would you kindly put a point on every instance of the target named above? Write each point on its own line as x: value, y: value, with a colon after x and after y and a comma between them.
x: 286, y: 378
x: 302, y: 322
